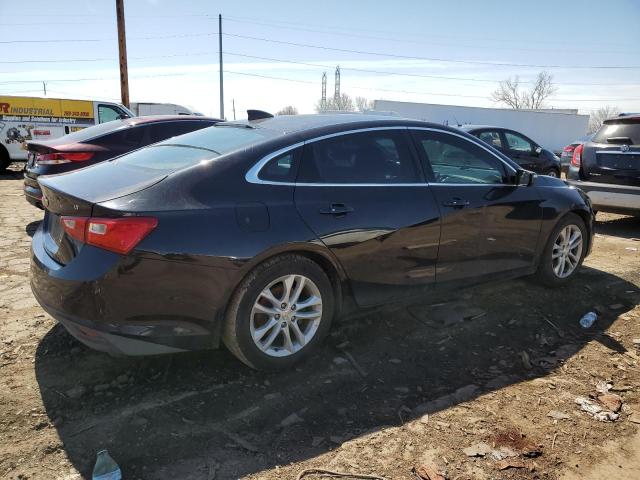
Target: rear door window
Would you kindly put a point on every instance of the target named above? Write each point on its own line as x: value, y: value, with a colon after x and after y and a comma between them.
x: 491, y: 137
x: 379, y: 157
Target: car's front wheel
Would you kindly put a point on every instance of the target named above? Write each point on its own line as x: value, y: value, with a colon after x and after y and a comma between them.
x: 564, y: 251
x: 552, y: 172
x: 279, y: 313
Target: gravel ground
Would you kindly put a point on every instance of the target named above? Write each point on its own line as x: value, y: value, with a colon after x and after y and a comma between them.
x: 493, y: 372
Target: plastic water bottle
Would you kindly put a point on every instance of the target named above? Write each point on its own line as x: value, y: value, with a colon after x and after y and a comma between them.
x: 588, y: 319
x: 106, y: 468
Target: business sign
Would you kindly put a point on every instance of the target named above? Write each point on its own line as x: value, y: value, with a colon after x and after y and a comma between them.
x: 52, y: 108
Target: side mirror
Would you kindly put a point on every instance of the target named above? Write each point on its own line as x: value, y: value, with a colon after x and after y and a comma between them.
x: 538, y: 150
x: 524, y: 177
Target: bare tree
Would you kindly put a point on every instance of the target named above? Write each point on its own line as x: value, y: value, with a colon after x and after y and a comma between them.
x: 599, y: 116
x: 288, y: 110
x: 363, y: 104
x: 511, y: 93
x: 343, y: 103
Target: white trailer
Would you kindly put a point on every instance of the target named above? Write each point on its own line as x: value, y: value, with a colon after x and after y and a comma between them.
x: 149, y: 108
x: 550, y: 128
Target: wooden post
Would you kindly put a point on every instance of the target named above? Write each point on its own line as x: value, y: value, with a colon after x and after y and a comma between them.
x: 122, y: 47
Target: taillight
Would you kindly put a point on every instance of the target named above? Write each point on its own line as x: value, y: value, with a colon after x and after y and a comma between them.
x: 57, y: 158
x: 119, y: 235
x: 568, y: 150
x: 576, y: 159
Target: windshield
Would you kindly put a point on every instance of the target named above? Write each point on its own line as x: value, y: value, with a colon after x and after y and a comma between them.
x: 187, y: 150
x: 619, y: 132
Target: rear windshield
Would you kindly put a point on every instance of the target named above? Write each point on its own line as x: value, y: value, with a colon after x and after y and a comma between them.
x: 95, y: 131
x: 619, y: 132
x: 188, y: 149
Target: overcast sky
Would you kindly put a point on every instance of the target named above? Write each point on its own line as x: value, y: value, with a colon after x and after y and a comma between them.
x: 588, y: 46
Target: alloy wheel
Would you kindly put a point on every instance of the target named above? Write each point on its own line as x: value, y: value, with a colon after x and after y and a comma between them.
x: 567, y: 251
x: 286, y: 315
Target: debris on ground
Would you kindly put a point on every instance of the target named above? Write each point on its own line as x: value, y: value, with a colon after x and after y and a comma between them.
x: 477, y: 450
x: 510, y: 463
x: 595, y: 410
x: 329, y: 473
x: 556, y: 415
x: 612, y: 401
x: 428, y: 472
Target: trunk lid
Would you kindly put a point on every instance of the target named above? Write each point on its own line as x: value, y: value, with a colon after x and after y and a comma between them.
x: 76, y: 194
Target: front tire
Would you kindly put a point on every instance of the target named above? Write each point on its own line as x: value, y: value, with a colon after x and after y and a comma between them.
x: 279, y: 313
x: 552, y: 172
x: 564, y: 251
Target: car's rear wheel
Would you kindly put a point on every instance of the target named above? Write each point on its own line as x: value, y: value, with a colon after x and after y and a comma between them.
x: 564, y: 252
x: 279, y: 313
x: 552, y: 172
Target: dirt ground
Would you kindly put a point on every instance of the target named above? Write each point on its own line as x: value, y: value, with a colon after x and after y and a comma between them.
x: 496, y: 368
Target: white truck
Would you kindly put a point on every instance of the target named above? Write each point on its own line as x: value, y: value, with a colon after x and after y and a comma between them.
x: 146, y: 108
x: 34, y: 118
x: 553, y: 129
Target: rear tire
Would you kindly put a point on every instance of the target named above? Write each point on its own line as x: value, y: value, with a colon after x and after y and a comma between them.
x: 273, y: 335
x: 552, y: 172
x: 562, y: 257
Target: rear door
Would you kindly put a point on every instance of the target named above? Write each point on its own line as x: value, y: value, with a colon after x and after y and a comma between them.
x: 521, y: 150
x: 363, y: 194
x: 488, y: 224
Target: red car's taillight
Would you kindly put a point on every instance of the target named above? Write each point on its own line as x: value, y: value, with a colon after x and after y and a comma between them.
x: 576, y: 159
x: 119, y: 235
x: 57, y: 158
x: 568, y: 150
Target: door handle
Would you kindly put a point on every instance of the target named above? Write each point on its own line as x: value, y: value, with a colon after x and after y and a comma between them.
x: 336, y: 209
x: 456, y: 203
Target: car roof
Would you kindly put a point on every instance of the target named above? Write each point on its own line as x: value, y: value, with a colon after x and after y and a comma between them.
x: 468, y: 128
x: 166, y: 118
x: 282, y: 125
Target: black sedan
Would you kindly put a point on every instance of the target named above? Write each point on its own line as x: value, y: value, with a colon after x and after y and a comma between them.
x: 99, y: 143
x: 519, y: 148
x: 258, y: 233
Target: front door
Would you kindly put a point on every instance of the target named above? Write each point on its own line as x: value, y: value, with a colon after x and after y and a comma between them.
x: 489, y: 225
x: 521, y: 150
x: 364, y: 196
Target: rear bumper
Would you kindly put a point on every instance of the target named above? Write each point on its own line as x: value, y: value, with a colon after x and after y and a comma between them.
x: 32, y: 191
x: 124, y: 305
x: 608, y: 197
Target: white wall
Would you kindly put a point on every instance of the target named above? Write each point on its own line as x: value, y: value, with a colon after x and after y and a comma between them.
x: 552, y: 130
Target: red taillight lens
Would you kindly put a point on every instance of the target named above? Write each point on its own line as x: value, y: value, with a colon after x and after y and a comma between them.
x: 57, y: 158
x: 576, y: 159
x: 119, y: 235
x: 75, y: 227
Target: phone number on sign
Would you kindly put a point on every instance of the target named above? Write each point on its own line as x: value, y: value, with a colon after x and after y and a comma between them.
x: 69, y: 113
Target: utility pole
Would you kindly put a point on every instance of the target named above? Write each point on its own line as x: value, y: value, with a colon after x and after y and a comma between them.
x: 122, y: 47
x: 233, y: 102
x: 336, y: 95
x: 323, y: 98
x: 221, y: 74
x: 44, y: 88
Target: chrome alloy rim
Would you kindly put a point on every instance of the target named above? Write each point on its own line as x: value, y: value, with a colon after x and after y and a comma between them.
x: 552, y: 173
x: 567, y: 250
x: 286, y: 315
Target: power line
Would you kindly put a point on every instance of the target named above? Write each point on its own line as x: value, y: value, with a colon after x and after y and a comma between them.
x: 351, y: 28
x: 75, y: 40
x: 402, y: 40
x: 416, y: 75
x: 74, y: 60
x: 430, y: 59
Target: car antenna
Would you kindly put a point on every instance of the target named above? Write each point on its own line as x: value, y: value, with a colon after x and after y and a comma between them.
x: 258, y: 115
